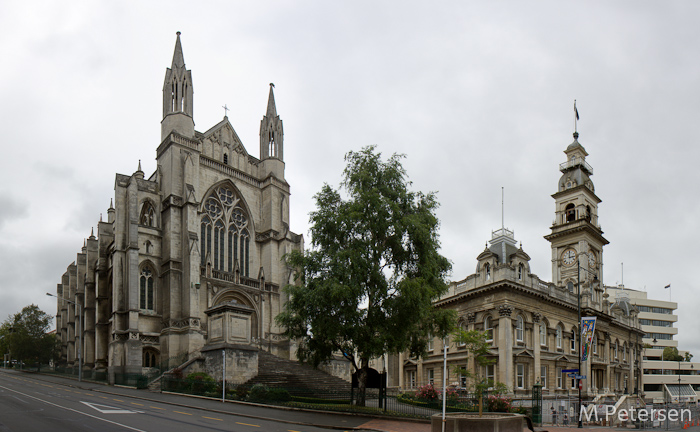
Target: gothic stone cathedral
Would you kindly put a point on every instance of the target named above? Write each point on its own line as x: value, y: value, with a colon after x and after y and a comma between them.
x: 190, y: 260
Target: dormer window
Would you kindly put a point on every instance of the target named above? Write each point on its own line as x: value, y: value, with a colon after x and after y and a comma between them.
x: 487, y: 268
x: 520, y: 272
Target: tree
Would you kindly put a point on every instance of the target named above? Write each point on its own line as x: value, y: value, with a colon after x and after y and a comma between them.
x: 671, y: 354
x: 688, y: 356
x: 372, y: 272
x: 25, y: 334
x: 477, y: 348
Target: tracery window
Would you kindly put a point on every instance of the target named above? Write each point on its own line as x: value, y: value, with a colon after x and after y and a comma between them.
x: 148, y: 215
x: 150, y: 358
x: 146, y: 289
x: 224, y: 232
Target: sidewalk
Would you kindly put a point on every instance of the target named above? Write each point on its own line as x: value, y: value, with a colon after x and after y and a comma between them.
x: 342, y: 421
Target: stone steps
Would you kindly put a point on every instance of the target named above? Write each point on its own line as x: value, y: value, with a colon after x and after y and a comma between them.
x: 296, y: 377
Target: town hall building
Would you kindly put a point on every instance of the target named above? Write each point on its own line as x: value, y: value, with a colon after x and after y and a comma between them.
x: 190, y: 258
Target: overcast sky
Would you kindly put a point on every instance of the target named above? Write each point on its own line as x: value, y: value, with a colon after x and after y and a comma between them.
x: 477, y: 95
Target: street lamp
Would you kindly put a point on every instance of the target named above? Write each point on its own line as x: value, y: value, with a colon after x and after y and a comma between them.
x: 80, y: 332
x: 580, y: 339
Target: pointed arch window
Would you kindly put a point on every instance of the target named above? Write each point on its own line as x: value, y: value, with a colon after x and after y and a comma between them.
x: 225, y: 232
x: 148, y: 215
x: 146, y: 289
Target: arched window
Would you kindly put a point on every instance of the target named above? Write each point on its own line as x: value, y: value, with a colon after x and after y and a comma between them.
x: 148, y: 215
x: 559, y: 335
x: 487, y: 269
x: 146, y: 293
x: 488, y: 328
x: 519, y: 329
x: 615, y: 350
x: 543, y: 333
x: 570, y: 213
x: 573, y: 339
x: 463, y: 327
x: 520, y: 271
x: 595, y: 344
x: 570, y: 286
x: 150, y: 358
x: 226, y: 219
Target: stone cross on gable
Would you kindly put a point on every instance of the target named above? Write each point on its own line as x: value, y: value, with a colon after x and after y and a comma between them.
x: 226, y: 109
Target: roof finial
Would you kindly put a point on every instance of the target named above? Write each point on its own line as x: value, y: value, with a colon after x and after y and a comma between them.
x: 92, y: 231
x: 503, y: 223
x: 178, y: 58
x: 226, y: 108
x: 139, y: 169
x: 111, y: 206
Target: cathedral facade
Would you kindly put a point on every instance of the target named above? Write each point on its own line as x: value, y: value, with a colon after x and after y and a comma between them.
x: 190, y: 257
x: 532, y: 325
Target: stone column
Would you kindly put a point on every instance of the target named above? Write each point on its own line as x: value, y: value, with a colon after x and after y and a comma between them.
x: 471, y: 363
x: 608, y: 379
x: 505, y: 345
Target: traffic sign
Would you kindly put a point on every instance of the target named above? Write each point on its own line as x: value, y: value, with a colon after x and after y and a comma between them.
x: 569, y: 370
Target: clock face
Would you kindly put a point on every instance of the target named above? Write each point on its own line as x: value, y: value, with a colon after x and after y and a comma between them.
x: 591, y: 259
x: 568, y: 257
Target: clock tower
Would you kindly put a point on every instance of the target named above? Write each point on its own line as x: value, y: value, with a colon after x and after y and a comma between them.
x: 576, y: 234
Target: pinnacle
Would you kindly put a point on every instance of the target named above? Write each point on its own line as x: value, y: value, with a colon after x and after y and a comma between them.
x: 271, y: 108
x: 178, y: 58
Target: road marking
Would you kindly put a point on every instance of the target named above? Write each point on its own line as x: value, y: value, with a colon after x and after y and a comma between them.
x: 136, y: 403
x: 103, y: 397
x: 247, y: 424
x: 157, y: 408
x: 76, y: 411
x: 106, y: 409
x: 118, y: 400
x: 180, y: 412
x: 212, y: 418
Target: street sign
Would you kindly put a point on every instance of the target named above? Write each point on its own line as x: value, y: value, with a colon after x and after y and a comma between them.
x: 569, y: 370
x: 580, y: 377
x: 571, y: 375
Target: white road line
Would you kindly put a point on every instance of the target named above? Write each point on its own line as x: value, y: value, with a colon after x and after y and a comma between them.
x: 71, y: 409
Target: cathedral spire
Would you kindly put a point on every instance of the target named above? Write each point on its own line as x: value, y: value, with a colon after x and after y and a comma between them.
x: 271, y: 131
x: 177, y: 97
x: 178, y: 58
x: 271, y: 108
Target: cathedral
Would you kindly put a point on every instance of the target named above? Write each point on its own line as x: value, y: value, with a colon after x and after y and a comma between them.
x: 190, y: 258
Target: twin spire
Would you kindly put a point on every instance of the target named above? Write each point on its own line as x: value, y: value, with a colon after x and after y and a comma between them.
x: 178, y: 108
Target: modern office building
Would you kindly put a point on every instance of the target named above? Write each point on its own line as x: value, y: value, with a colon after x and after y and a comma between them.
x: 663, y: 380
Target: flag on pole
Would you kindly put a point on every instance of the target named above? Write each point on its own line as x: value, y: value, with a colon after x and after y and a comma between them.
x: 667, y: 286
x: 575, y: 110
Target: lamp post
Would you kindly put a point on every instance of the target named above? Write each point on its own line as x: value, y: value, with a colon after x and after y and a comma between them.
x: 80, y: 332
x: 580, y: 339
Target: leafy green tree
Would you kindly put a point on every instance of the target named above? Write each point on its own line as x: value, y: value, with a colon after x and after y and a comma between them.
x: 688, y: 356
x: 671, y: 354
x: 372, y: 272
x: 25, y: 334
x: 475, y: 342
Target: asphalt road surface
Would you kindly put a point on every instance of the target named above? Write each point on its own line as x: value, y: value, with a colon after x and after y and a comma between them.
x: 29, y: 403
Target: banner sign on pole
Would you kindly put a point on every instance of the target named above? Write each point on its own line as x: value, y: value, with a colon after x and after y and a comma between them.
x: 587, y: 332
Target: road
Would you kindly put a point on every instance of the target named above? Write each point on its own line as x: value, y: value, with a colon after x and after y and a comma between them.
x: 37, y: 403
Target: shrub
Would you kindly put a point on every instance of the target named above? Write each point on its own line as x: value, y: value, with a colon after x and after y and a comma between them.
x: 406, y: 397
x: 258, y: 393
x: 201, y: 383
x: 427, y: 393
x: 240, y: 393
x: 278, y: 395
x: 498, y: 404
x: 452, y: 396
